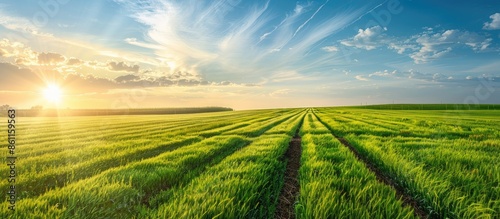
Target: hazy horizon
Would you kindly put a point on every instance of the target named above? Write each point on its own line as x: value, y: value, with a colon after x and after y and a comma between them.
x: 247, y: 54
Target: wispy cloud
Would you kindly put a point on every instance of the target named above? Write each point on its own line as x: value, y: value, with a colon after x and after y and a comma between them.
x: 26, y: 31
x: 299, y: 9
x: 288, y: 76
x: 253, y: 44
x: 135, y: 42
x: 194, y: 51
x: 21, y: 24
x: 309, y: 19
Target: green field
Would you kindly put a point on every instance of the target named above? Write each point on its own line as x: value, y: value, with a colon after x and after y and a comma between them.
x: 354, y: 163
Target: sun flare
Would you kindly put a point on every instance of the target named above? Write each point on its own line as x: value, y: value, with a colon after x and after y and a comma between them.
x: 52, y: 93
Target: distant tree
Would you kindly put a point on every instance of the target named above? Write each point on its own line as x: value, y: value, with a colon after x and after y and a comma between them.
x: 37, y: 107
x: 5, y: 107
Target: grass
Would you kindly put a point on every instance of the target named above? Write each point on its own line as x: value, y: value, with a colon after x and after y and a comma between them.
x: 230, y: 164
x: 447, y: 161
x: 244, y: 185
x: 432, y: 107
x: 335, y: 185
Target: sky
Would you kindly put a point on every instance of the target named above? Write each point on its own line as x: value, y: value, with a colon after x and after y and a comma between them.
x: 247, y: 54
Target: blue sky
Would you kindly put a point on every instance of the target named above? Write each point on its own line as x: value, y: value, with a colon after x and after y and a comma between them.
x: 249, y: 54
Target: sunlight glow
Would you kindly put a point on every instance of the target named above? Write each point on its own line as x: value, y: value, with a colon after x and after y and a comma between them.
x: 52, y: 93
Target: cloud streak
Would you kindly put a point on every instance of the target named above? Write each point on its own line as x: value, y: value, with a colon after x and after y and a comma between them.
x: 210, y: 35
x: 309, y: 19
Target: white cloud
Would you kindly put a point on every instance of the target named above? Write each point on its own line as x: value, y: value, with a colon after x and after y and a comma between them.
x: 368, y: 39
x: 434, y: 78
x: 402, y: 48
x: 436, y: 45
x: 428, y: 53
x: 298, y: 8
x: 384, y: 73
x: 494, y: 24
x: 18, y: 52
x: 330, y: 48
x: 133, y: 41
x: 361, y: 78
x: 424, y: 47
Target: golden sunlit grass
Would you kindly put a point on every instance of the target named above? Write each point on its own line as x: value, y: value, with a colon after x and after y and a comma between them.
x: 52, y: 93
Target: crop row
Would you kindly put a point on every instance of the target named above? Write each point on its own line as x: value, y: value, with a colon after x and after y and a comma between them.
x: 74, y: 163
x: 231, y: 165
x: 107, y: 128
x: 244, y: 185
x: 129, y: 178
x: 450, y: 174
x: 433, y: 124
x: 118, y: 191
x: 334, y: 184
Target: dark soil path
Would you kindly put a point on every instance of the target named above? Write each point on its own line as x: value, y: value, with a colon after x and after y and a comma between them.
x: 291, y: 187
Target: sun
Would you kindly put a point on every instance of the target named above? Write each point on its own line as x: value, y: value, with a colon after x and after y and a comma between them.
x: 52, y: 93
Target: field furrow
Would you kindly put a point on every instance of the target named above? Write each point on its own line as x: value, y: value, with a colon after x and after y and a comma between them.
x: 244, y: 185
x: 291, y: 188
x: 56, y: 173
x: 340, y: 162
x: 334, y: 184
x: 449, y: 166
x: 112, y: 193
